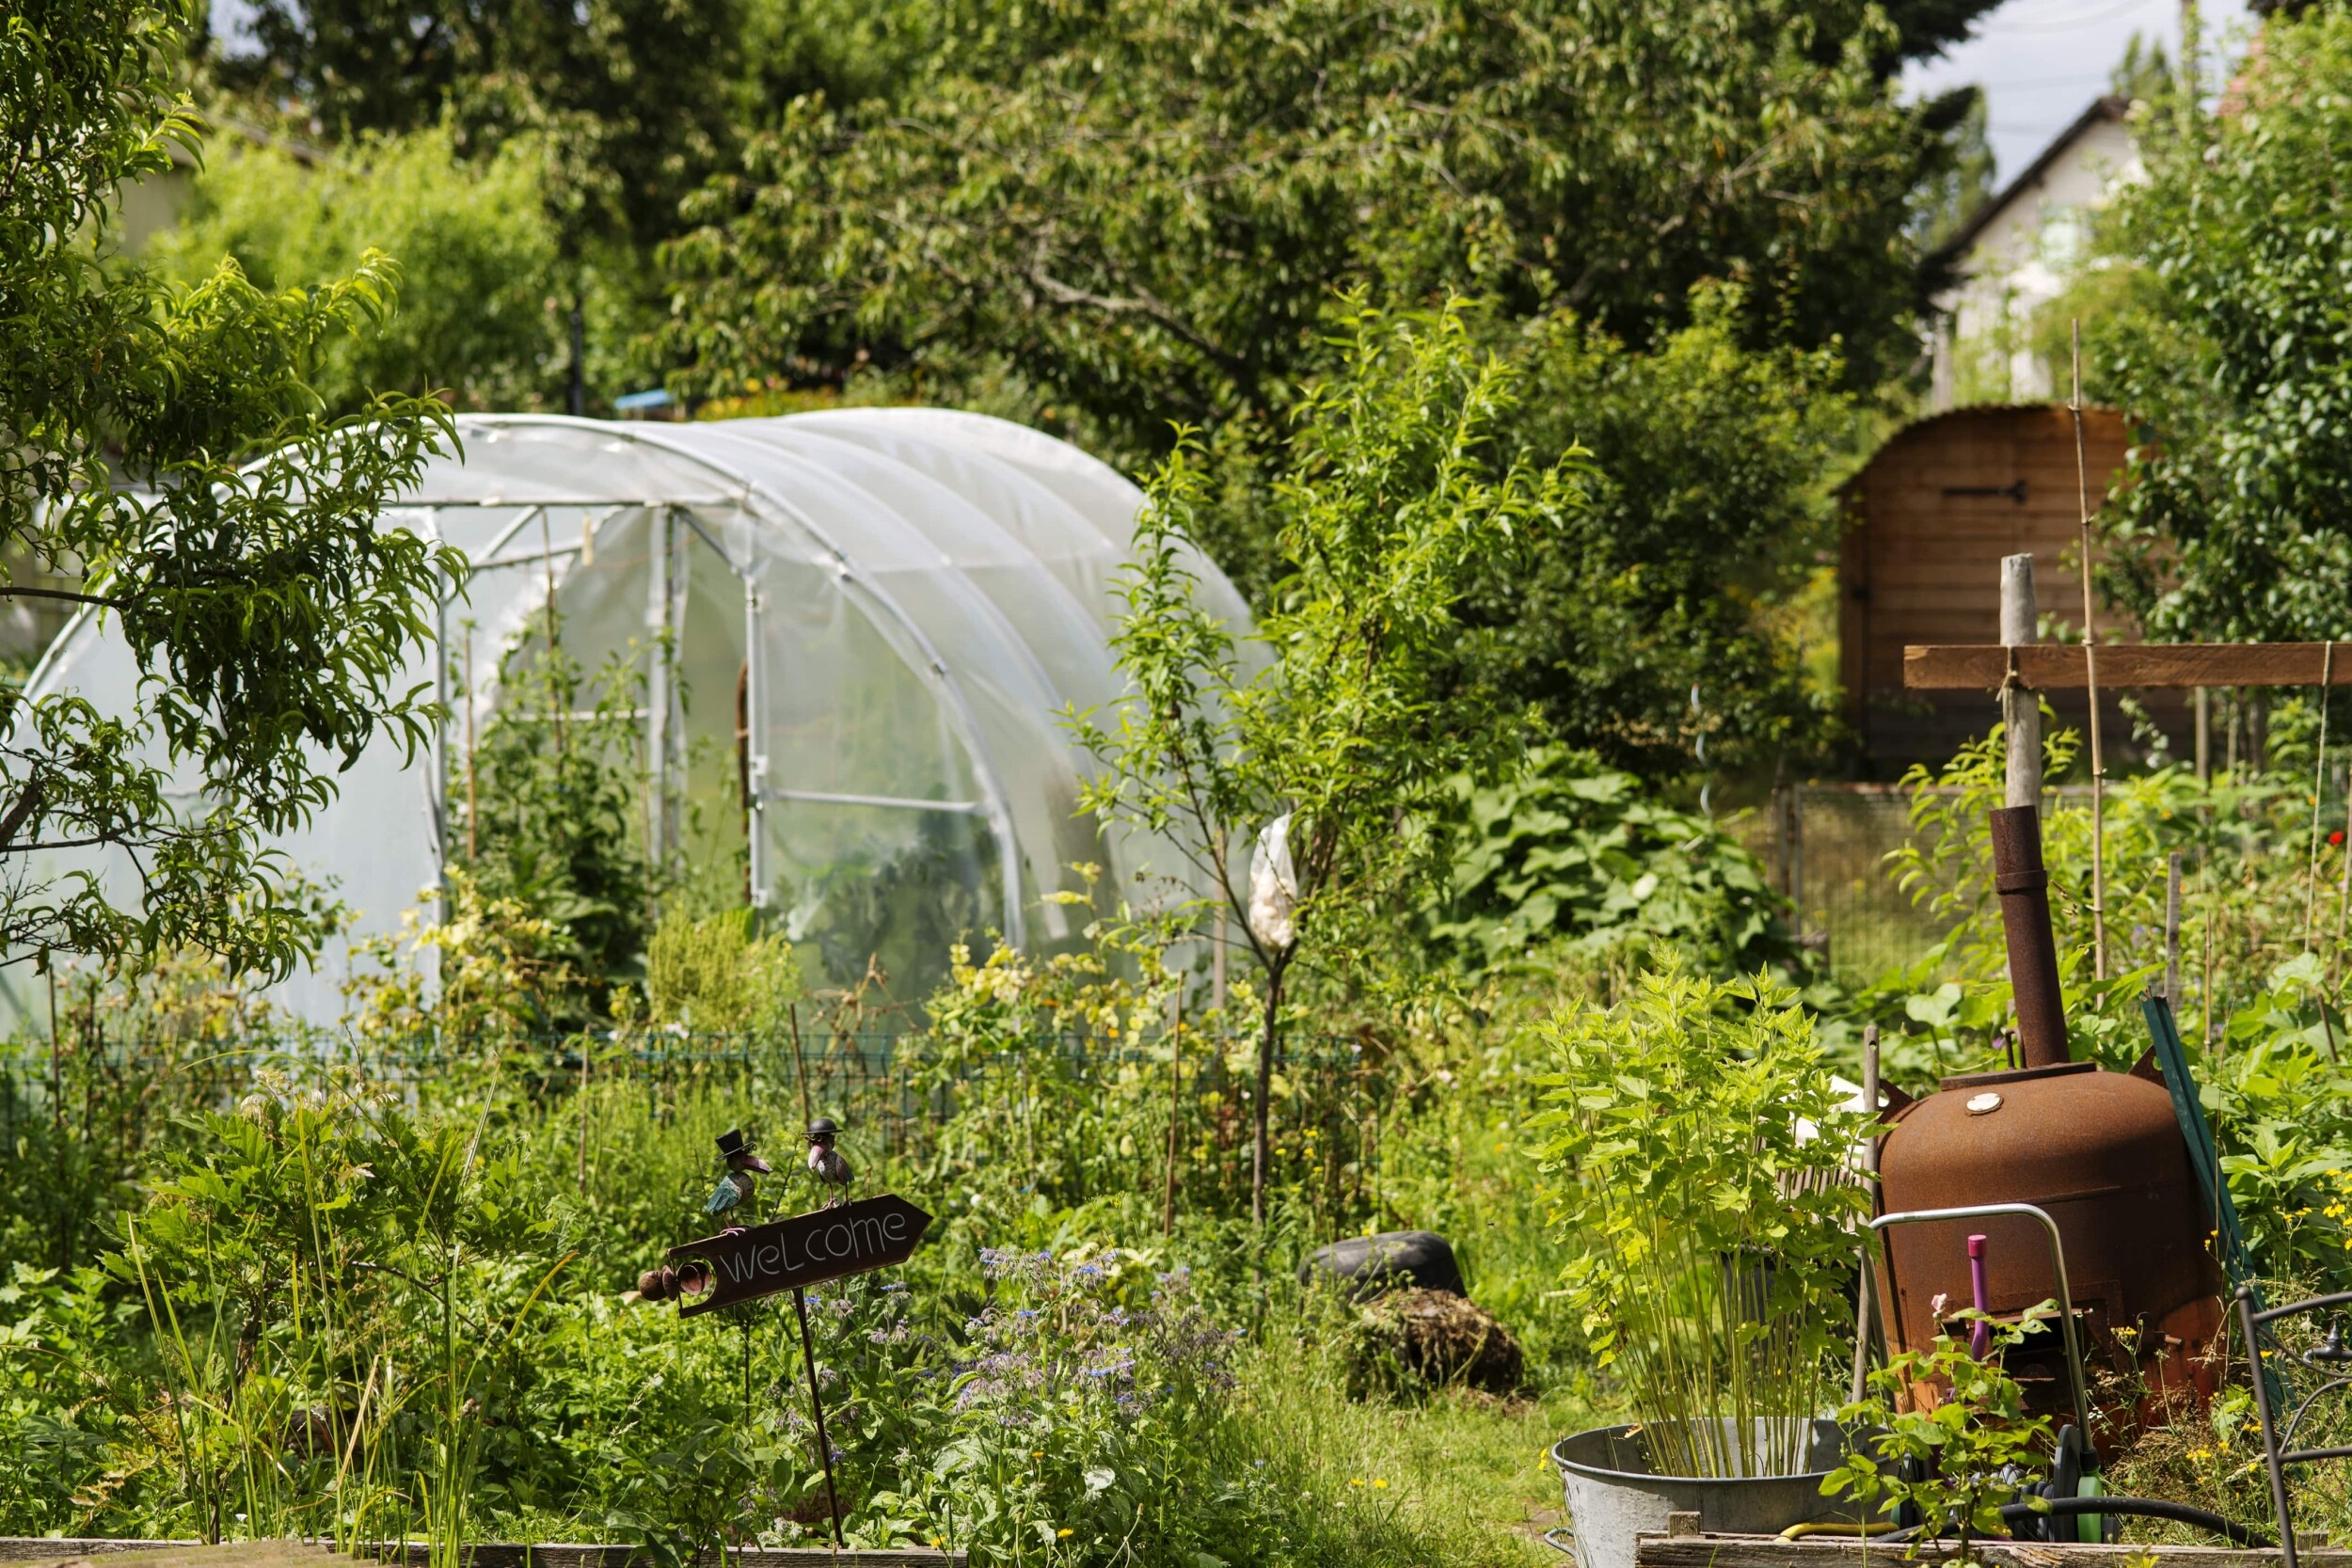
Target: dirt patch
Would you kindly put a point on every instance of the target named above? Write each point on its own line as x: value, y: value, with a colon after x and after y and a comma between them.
x: 1431, y: 1338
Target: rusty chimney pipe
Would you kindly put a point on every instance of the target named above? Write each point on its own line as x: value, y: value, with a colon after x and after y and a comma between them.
x: 2024, y: 889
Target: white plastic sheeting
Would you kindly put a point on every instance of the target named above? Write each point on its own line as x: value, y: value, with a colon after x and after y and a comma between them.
x: 898, y: 607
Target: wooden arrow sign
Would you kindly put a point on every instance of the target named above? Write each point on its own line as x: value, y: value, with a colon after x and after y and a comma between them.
x: 808, y: 1249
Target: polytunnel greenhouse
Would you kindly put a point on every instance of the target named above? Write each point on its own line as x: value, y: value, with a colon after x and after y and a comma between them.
x: 860, y: 629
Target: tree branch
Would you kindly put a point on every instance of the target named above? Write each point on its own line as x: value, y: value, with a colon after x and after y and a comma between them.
x: 13, y: 591
x: 27, y: 804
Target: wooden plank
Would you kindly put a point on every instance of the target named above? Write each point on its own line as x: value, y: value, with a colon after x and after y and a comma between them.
x: 100, y: 1552
x: 1770, y: 1551
x: 172, y: 1554
x: 2048, y: 667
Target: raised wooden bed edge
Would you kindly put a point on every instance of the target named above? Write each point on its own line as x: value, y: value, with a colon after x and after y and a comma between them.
x: 1829, y: 1551
x: 497, y: 1554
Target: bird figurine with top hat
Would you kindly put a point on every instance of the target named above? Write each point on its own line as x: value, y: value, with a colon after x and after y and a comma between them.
x: 735, y: 1185
x: 825, y: 1162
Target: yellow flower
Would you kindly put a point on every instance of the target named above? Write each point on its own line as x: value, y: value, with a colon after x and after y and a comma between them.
x: 1059, y: 1534
x: 1381, y: 1483
x: 1355, y: 1480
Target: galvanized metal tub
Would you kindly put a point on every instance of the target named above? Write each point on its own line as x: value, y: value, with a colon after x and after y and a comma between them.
x: 1614, y: 1494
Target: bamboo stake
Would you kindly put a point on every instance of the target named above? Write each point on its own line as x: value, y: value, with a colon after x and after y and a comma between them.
x: 1175, y: 1112
x: 800, y: 1068
x: 2091, y: 679
x: 555, y: 703
x: 2319, y: 786
x: 474, y: 810
x: 2204, y: 1001
x: 1866, y: 1288
x: 2172, y: 928
x: 2344, y: 890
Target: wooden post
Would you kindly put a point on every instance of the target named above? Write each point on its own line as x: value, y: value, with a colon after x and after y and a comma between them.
x: 2091, y: 679
x: 2021, y: 709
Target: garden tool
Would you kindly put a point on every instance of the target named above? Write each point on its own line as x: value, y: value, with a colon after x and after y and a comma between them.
x: 735, y: 1185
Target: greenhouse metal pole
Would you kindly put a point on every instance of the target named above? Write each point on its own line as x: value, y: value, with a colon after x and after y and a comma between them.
x: 657, y: 619
x: 755, y: 767
x: 440, y: 789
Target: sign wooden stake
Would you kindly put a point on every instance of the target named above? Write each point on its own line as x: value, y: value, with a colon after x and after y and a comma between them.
x: 817, y: 1407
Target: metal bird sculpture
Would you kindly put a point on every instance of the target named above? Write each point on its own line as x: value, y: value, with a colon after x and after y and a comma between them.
x: 735, y: 1185
x: 825, y: 1161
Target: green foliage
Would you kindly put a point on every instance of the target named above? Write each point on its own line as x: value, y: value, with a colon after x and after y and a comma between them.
x: 325, y: 1264
x: 2232, y: 525
x: 1566, y: 848
x: 478, y: 253
x: 629, y: 101
x: 1707, y: 504
x: 269, y: 616
x: 1954, y: 1455
x: 714, y: 976
x: 1701, y: 1167
x: 553, y: 815
x: 1391, y: 507
x: 1141, y: 211
x: 2247, y: 888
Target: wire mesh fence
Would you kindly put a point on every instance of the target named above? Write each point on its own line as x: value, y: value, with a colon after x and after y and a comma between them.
x: 1172, y: 1114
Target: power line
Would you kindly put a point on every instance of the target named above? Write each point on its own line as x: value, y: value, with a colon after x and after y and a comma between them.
x: 2067, y: 25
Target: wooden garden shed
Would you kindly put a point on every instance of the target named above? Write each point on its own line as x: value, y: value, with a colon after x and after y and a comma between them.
x: 1929, y: 519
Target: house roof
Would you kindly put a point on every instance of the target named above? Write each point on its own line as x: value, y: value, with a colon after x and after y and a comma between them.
x: 2102, y: 110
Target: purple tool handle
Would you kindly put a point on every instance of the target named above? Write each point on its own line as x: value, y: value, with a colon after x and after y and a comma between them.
x: 1979, y: 1333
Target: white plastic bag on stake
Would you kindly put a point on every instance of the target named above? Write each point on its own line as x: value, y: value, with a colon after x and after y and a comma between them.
x: 1273, y: 887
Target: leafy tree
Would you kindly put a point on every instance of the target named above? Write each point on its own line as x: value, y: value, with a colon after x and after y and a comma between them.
x: 1140, y: 211
x: 1389, y: 507
x: 478, y: 252
x: 1706, y: 510
x: 635, y: 94
x: 269, y: 617
x: 2225, y: 330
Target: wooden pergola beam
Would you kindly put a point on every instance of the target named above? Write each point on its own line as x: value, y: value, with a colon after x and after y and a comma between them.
x: 2143, y: 666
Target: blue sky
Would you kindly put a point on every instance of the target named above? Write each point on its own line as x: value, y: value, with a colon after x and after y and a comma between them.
x: 2041, y: 61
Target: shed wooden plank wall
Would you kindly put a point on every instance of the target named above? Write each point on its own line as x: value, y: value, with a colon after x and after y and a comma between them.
x: 1921, y: 561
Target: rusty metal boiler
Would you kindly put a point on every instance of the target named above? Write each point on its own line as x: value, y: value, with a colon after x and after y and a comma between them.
x: 2100, y: 1152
